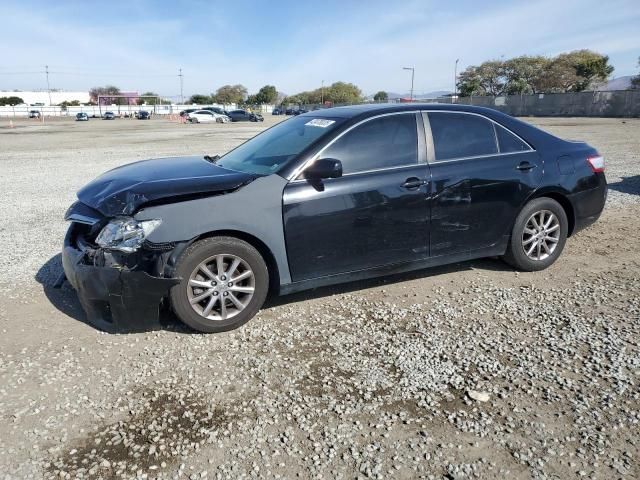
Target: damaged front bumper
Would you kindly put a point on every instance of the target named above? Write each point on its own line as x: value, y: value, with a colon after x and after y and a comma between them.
x: 117, y: 295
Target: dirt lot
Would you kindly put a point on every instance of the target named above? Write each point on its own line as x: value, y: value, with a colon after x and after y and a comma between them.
x: 375, y: 379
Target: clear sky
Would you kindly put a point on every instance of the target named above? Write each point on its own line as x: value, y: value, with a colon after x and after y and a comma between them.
x: 294, y: 45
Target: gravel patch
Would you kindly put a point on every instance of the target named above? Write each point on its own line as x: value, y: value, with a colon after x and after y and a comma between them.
x: 467, y: 371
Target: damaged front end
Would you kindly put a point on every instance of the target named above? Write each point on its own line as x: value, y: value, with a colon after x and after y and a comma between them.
x: 120, y: 278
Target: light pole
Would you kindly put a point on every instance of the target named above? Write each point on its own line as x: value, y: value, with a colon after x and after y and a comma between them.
x: 455, y: 80
x: 413, y: 71
x: 181, y: 84
x: 46, y: 71
x: 322, y: 93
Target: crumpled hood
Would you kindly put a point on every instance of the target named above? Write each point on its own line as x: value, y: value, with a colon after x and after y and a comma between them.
x: 123, y: 190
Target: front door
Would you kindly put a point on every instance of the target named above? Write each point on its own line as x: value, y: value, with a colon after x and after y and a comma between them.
x: 376, y: 214
x: 481, y: 174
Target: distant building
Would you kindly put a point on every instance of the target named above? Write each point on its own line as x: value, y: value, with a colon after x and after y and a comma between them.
x: 42, y: 97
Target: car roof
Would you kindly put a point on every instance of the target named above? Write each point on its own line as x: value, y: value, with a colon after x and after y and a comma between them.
x: 370, y: 109
x: 355, y: 113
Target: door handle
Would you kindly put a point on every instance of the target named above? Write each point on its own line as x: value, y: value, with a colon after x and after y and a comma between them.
x: 413, y: 182
x: 525, y: 166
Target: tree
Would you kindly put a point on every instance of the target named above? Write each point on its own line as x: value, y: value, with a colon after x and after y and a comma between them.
x: 525, y: 74
x: 341, y: 92
x: 96, y: 92
x: 591, y: 68
x: 12, y: 100
x: 230, y: 94
x: 73, y: 103
x: 568, y: 72
x: 266, y: 95
x: 200, y: 99
x: 635, y: 81
x: 469, y: 82
x: 381, y: 96
x: 489, y: 78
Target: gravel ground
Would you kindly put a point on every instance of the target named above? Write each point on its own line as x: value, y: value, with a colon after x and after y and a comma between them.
x: 466, y: 371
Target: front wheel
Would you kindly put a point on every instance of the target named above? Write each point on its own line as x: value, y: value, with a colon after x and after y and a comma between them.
x: 225, y: 282
x: 538, y: 236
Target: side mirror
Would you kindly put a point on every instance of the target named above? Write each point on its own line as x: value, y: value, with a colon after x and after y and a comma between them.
x: 324, y: 168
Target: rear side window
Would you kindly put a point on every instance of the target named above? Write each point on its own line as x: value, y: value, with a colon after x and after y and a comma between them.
x: 389, y: 141
x: 508, y: 142
x: 458, y: 135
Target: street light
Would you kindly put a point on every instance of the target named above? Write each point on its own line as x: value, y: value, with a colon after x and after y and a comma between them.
x: 455, y: 79
x: 413, y: 71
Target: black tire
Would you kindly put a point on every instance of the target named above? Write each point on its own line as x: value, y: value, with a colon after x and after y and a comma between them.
x: 516, y: 256
x: 199, y: 252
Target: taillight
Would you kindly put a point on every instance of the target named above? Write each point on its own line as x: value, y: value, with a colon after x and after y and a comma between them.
x: 596, y: 162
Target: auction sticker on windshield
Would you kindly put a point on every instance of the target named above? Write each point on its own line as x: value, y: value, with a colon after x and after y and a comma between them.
x: 320, y: 122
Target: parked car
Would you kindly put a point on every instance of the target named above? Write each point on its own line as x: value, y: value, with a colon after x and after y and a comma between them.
x: 244, y: 116
x: 276, y: 111
x: 108, y: 116
x: 217, y: 110
x: 144, y: 115
x: 34, y: 114
x: 184, y: 113
x: 332, y: 196
x: 289, y: 111
x: 205, y: 116
x: 82, y: 117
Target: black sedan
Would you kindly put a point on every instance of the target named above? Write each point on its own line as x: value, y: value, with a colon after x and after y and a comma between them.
x: 326, y: 197
x: 244, y: 116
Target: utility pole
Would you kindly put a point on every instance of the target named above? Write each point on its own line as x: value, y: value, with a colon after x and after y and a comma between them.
x: 322, y: 93
x: 455, y: 80
x: 46, y: 71
x: 181, y: 85
x: 413, y: 71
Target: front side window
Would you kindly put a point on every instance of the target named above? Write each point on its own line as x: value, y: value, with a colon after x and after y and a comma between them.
x: 384, y: 142
x: 458, y: 135
x: 267, y: 152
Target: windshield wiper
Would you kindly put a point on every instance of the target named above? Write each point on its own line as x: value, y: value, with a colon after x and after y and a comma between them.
x: 211, y: 159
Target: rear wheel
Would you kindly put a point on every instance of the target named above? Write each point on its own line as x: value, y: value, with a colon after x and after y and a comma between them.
x: 225, y: 282
x: 538, y: 236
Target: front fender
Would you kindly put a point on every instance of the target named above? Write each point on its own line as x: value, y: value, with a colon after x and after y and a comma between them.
x: 255, y: 209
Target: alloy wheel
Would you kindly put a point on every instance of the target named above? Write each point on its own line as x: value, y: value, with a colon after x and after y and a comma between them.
x: 541, y: 235
x: 220, y: 287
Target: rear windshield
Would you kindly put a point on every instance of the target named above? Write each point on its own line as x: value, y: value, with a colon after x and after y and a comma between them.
x: 269, y: 151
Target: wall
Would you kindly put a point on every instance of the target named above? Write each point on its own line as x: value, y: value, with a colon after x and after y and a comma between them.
x: 43, y: 97
x: 619, y: 103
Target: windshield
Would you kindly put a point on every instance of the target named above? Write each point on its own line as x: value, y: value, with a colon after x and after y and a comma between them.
x: 270, y: 150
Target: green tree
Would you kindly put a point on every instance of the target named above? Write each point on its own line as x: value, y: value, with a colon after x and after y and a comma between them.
x: 341, y: 92
x: 591, y: 68
x: 12, y: 100
x: 230, y: 94
x: 66, y: 104
x: 488, y: 78
x: 525, y: 74
x: 199, y: 99
x: 381, y: 96
x: 266, y: 95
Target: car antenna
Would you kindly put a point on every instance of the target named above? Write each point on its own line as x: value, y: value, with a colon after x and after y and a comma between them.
x: 211, y: 159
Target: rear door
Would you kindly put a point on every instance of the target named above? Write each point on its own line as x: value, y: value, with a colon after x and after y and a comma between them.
x: 481, y: 174
x: 376, y: 214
